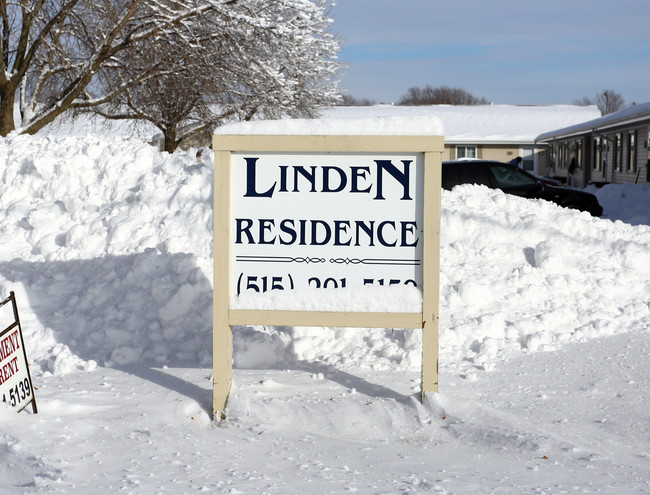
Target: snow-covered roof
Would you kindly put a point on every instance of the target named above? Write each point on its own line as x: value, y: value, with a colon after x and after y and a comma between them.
x: 492, y: 124
x: 481, y: 124
x: 625, y: 116
x: 380, y: 125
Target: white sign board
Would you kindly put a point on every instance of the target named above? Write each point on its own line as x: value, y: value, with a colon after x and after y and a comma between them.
x: 306, y: 220
x: 296, y: 212
x: 15, y: 381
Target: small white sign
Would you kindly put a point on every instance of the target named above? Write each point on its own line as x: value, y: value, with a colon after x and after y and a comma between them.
x: 15, y: 381
x: 325, y: 220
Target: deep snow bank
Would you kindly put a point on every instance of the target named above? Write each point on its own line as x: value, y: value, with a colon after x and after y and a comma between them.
x: 108, y: 243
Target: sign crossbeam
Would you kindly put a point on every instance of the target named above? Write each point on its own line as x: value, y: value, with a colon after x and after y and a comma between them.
x: 325, y: 319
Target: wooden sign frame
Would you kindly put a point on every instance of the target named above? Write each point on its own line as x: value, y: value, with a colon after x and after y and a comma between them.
x: 431, y: 147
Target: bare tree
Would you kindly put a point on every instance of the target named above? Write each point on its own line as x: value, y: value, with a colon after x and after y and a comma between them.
x: 443, y: 95
x: 350, y: 101
x: 54, y: 52
x: 61, y: 55
x: 246, y: 59
x: 609, y: 101
x: 585, y: 101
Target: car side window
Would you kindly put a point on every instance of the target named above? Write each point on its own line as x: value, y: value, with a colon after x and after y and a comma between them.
x: 454, y: 174
x: 509, y: 178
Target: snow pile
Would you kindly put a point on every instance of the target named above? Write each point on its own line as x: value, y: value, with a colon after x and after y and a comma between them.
x: 625, y: 202
x: 519, y: 274
x: 108, y: 246
x: 395, y: 299
x: 110, y: 242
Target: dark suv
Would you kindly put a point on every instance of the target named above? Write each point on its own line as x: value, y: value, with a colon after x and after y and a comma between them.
x: 513, y: 180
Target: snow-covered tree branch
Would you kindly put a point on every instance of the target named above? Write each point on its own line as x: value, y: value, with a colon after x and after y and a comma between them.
x: 245, y: 59
x: 184, y: 65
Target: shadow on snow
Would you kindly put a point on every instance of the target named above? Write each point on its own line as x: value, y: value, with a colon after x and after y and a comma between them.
x: 142, y: 311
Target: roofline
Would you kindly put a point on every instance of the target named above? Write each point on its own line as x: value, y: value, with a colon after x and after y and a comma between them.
x: 502, y: 142
x: 592, y: 130
x: 622, y: 118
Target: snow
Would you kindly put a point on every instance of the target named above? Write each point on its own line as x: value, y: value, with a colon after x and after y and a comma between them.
x: 492, y: 124
x: 631, y: 113
x: 460, y: 124
x: 380, y: 125
x: 544, y: 345
x: 481, y: 123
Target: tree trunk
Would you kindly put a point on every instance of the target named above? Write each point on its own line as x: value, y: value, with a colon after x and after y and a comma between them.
x: 7, y: 123
x: 170, y: 139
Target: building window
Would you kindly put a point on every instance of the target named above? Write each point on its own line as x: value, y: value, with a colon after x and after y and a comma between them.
x: 597, y: 155
x: 618, y: 153
x: 579, y: 153
x: 561, y: 159
x: 566, y: 155
x: 465, y: 151
x: 631, y: 151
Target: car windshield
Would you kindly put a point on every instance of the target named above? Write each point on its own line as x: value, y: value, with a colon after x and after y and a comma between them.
x: 510, y: 178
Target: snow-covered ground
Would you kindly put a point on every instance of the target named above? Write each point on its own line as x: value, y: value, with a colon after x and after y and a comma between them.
x: 544, y: 346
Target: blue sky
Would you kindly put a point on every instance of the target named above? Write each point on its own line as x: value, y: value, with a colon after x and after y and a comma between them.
x: 510, y: 52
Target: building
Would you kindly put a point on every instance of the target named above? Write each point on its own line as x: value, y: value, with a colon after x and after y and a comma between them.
x: 608, y: 149
x: 490, y: 132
